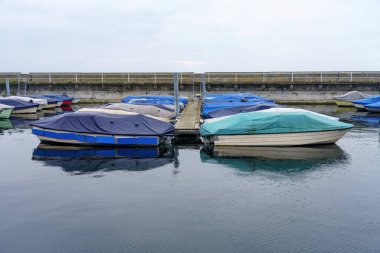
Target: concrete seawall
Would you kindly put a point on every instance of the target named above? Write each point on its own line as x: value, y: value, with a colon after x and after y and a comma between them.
x: 298, y: 87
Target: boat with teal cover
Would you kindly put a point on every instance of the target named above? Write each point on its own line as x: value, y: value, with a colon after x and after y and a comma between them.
x: 5, y: 111
x: 274, y: 128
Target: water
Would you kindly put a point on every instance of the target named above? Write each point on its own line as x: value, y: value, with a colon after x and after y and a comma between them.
x: 189, y: 199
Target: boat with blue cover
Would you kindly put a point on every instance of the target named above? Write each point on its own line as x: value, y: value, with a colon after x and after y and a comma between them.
x: 65, y: 99
x: 373, y: 107
x: 207, y: 108
x: 361, y: 103
x: 103, y: 129
x: 235, y: 97
x: 51, y: 102
x: 274, y: 127
x: 235, y: 110
x: 20, y: 106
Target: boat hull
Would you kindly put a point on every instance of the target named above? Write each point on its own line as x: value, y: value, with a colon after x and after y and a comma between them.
x: 359, y: 106
x: 67, y: 102
x: 344, y: 103
x: 25, y: 110
x: 72, y: 138
x: 285, y: 139
x: 5, y: 113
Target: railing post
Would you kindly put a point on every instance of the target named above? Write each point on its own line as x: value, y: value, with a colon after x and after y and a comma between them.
x: 128, y: 78
x: 18, y: 84
x: 263, y: 77
x: 7, y: 87
x: 49, y: 77
x: 203, y: 86
x: 155, y: 78
x: 321, y: 77
x: 102, y: 77
x: 25, y: 86
x: 292, y: 77
x: 351, y: 77
x: 236, y: 78
x: 76, y: 77
x: 176, y: 93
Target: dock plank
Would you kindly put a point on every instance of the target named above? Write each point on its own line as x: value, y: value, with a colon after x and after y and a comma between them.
x: 189, y: 120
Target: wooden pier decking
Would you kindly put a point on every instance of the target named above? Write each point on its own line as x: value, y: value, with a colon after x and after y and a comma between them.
x: 188, y: 122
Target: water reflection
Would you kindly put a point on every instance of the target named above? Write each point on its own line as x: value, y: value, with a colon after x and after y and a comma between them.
x: 276, y: 159
x: 370, y: 120
x: 5, y: 124
x: 79, y: 160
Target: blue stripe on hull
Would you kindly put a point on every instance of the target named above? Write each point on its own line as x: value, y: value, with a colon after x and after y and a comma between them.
x: 99, y: 140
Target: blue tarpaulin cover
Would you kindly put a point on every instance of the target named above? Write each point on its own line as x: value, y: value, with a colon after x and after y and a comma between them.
x: 18, y: 104
x: 263, y: 122
x: 60, y: 97
x: 209, y: 107
x: 236, y: 110
x: 366, y: 101
x: 234, y: 97
x: 49, y: 100
x: 375, y: 105
x: 109, y: 124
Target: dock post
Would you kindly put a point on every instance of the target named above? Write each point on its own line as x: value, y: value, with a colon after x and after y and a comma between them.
x: 203, y: 90
x: 25, y: 86
x: 18, y: 84
x: 7, y: 87
x: 176, y: 99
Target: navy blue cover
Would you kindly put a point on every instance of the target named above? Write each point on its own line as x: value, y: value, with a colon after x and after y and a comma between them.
x: 49, y: 100
x: 18, y: 104
x: 109, y: 124
x: 59, y: 97
x: 236, y: 110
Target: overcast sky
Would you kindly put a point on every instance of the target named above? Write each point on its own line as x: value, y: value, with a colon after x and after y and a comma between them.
x: 194, y: 35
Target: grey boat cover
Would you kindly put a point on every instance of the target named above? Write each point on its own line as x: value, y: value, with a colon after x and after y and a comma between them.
x: 351, y: 96
x: 161, y: 111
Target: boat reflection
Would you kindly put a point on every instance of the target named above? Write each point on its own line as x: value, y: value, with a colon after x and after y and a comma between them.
x: 79, y: 160
x: 275, y: 159
x: 5, y: 124
x: 370, y: 119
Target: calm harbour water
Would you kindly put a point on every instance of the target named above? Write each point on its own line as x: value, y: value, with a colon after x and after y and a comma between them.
x: 189, y: 199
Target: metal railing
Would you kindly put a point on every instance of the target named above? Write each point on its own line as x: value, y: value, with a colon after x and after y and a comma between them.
x: 189, y: 78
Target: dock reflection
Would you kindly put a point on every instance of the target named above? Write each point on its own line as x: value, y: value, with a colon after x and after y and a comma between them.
x: 80, y: 160
x: 275, y: 159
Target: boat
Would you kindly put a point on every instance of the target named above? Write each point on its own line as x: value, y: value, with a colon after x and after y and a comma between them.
x: 274, y: 128
x: 103, y: 129
x: 346, y: 99
x: 235, y: 97
x: 119, y: 112
x: 373, y: 107
x: 153, y: 110
x: 20, y: 106
x: 167, y: 103
x: 361, y: 103
x: 42, y: 102
x: 5, y: 111
x: 183, y: 100
x: 80, y: 160
x: 66, y: 100
x: 235, y: 110
x: 208, y: 108
x: 51, y: 102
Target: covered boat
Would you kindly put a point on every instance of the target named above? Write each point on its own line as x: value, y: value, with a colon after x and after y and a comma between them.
x: 153, y: 110
x: 347, y: 98
x: 373, y: 107
x: 361, y: 103
x: 20, y: 106
x: 66, y: 100
x: 235, y: 110
x: 207, y: 108
x: 271, y: 128
x: 234, y: 97
x: 119, y: 112
x: 183, y: 100
x: 167, y: 103
x: 5, y: 111
x: 42, y: 102
x: 102, y: 129
x: 51, y: 102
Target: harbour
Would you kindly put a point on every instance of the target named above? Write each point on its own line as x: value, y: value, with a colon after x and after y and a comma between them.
x: 187, y: 198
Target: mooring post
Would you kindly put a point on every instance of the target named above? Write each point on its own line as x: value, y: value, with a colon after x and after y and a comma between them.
x: 18, y: 84
x: 7, y: 88
x: 176, y: 93
x: 203, y: 80
x: 25, y: 86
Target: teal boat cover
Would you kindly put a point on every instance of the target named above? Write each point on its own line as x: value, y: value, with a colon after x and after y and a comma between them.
x: 263, y: 122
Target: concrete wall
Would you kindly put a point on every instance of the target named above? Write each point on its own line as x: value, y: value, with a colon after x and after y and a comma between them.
x: 288, y: 92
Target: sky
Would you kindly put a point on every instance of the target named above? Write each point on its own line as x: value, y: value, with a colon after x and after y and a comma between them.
x: 189, y: 35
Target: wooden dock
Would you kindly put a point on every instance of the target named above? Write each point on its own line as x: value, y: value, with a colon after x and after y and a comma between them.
x: 188, y: 122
